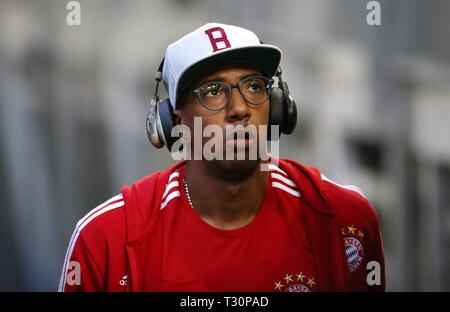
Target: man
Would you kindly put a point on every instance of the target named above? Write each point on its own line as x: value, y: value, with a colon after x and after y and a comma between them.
x: 226, y: 224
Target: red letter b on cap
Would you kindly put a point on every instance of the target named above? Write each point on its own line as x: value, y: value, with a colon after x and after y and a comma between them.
x: 215, y: 40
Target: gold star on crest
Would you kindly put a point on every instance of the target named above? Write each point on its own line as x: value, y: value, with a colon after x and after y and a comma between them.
x: 360, y: 234
x: 351, y: 229
x: 343, y: 231
x: 278, y: 285
x: 300, y: 276
x: 311, y: 282
x: 288, y: 278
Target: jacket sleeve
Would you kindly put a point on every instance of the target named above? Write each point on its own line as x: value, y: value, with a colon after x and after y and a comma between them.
x: 80, y: 272
x: 362, y: 243
x: 370, y: 276
x: 375, y: 266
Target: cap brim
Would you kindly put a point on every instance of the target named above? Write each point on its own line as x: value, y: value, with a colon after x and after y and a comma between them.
x: 265, y: 57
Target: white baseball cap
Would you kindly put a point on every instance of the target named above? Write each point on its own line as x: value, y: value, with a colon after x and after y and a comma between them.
x: 210, y: 46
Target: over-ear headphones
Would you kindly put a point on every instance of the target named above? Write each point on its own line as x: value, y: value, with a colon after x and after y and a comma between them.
x: 282, y: 109
x: 160, y: 117
x: 282, y: 112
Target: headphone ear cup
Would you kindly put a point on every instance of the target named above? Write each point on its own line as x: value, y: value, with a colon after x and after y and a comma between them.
x: 289, y: 111
x: 164, y: 122
x: 275, y: 110
x: 151, y: 123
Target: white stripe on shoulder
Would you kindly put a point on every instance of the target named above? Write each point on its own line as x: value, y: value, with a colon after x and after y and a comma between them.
x: 286, y: 189
x: 348, y: 187
x: 109, y: 201
x: 113, y: 203
x: 170, y: 186
x: 169, y: 198
x: 277, y: 176
x: 170, y: 192
x: 102, y: 211
x: 276, y: 168
x: 175, y: 174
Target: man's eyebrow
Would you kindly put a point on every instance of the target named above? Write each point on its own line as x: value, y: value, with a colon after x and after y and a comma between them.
x: 249, y: 75
x: 220, y: 79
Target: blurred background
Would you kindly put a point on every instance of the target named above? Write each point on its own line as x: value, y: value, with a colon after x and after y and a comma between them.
x: 374, y: 105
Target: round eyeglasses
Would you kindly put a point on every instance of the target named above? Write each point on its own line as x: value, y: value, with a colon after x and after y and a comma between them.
x: 216, y: 95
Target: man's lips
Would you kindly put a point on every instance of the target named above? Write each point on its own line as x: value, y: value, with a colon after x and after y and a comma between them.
x: 240, y: 143
x: 241, y: 139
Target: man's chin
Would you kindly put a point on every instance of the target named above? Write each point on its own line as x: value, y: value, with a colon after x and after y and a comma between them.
x: 236, y: 170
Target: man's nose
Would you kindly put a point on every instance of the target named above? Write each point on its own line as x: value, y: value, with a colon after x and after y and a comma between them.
x: 238, y: 109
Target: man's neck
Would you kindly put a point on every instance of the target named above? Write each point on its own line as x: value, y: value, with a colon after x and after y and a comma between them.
x: 225, y: 203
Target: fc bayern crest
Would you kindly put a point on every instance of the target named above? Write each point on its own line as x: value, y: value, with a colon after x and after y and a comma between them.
x: 354, y: 251
x: 297, y: 288
x: 296, y: 283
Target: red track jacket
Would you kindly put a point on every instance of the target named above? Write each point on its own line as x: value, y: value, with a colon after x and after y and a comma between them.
x: 120, y: 249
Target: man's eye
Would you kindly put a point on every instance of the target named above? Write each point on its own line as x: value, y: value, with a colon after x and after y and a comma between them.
x: 212, y: 90
x: 254, y: 86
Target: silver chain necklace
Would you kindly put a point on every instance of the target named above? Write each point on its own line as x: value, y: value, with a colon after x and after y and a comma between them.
x: 186, y: 190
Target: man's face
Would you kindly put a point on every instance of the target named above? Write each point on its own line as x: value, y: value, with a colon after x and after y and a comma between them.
x: 237, y: 113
